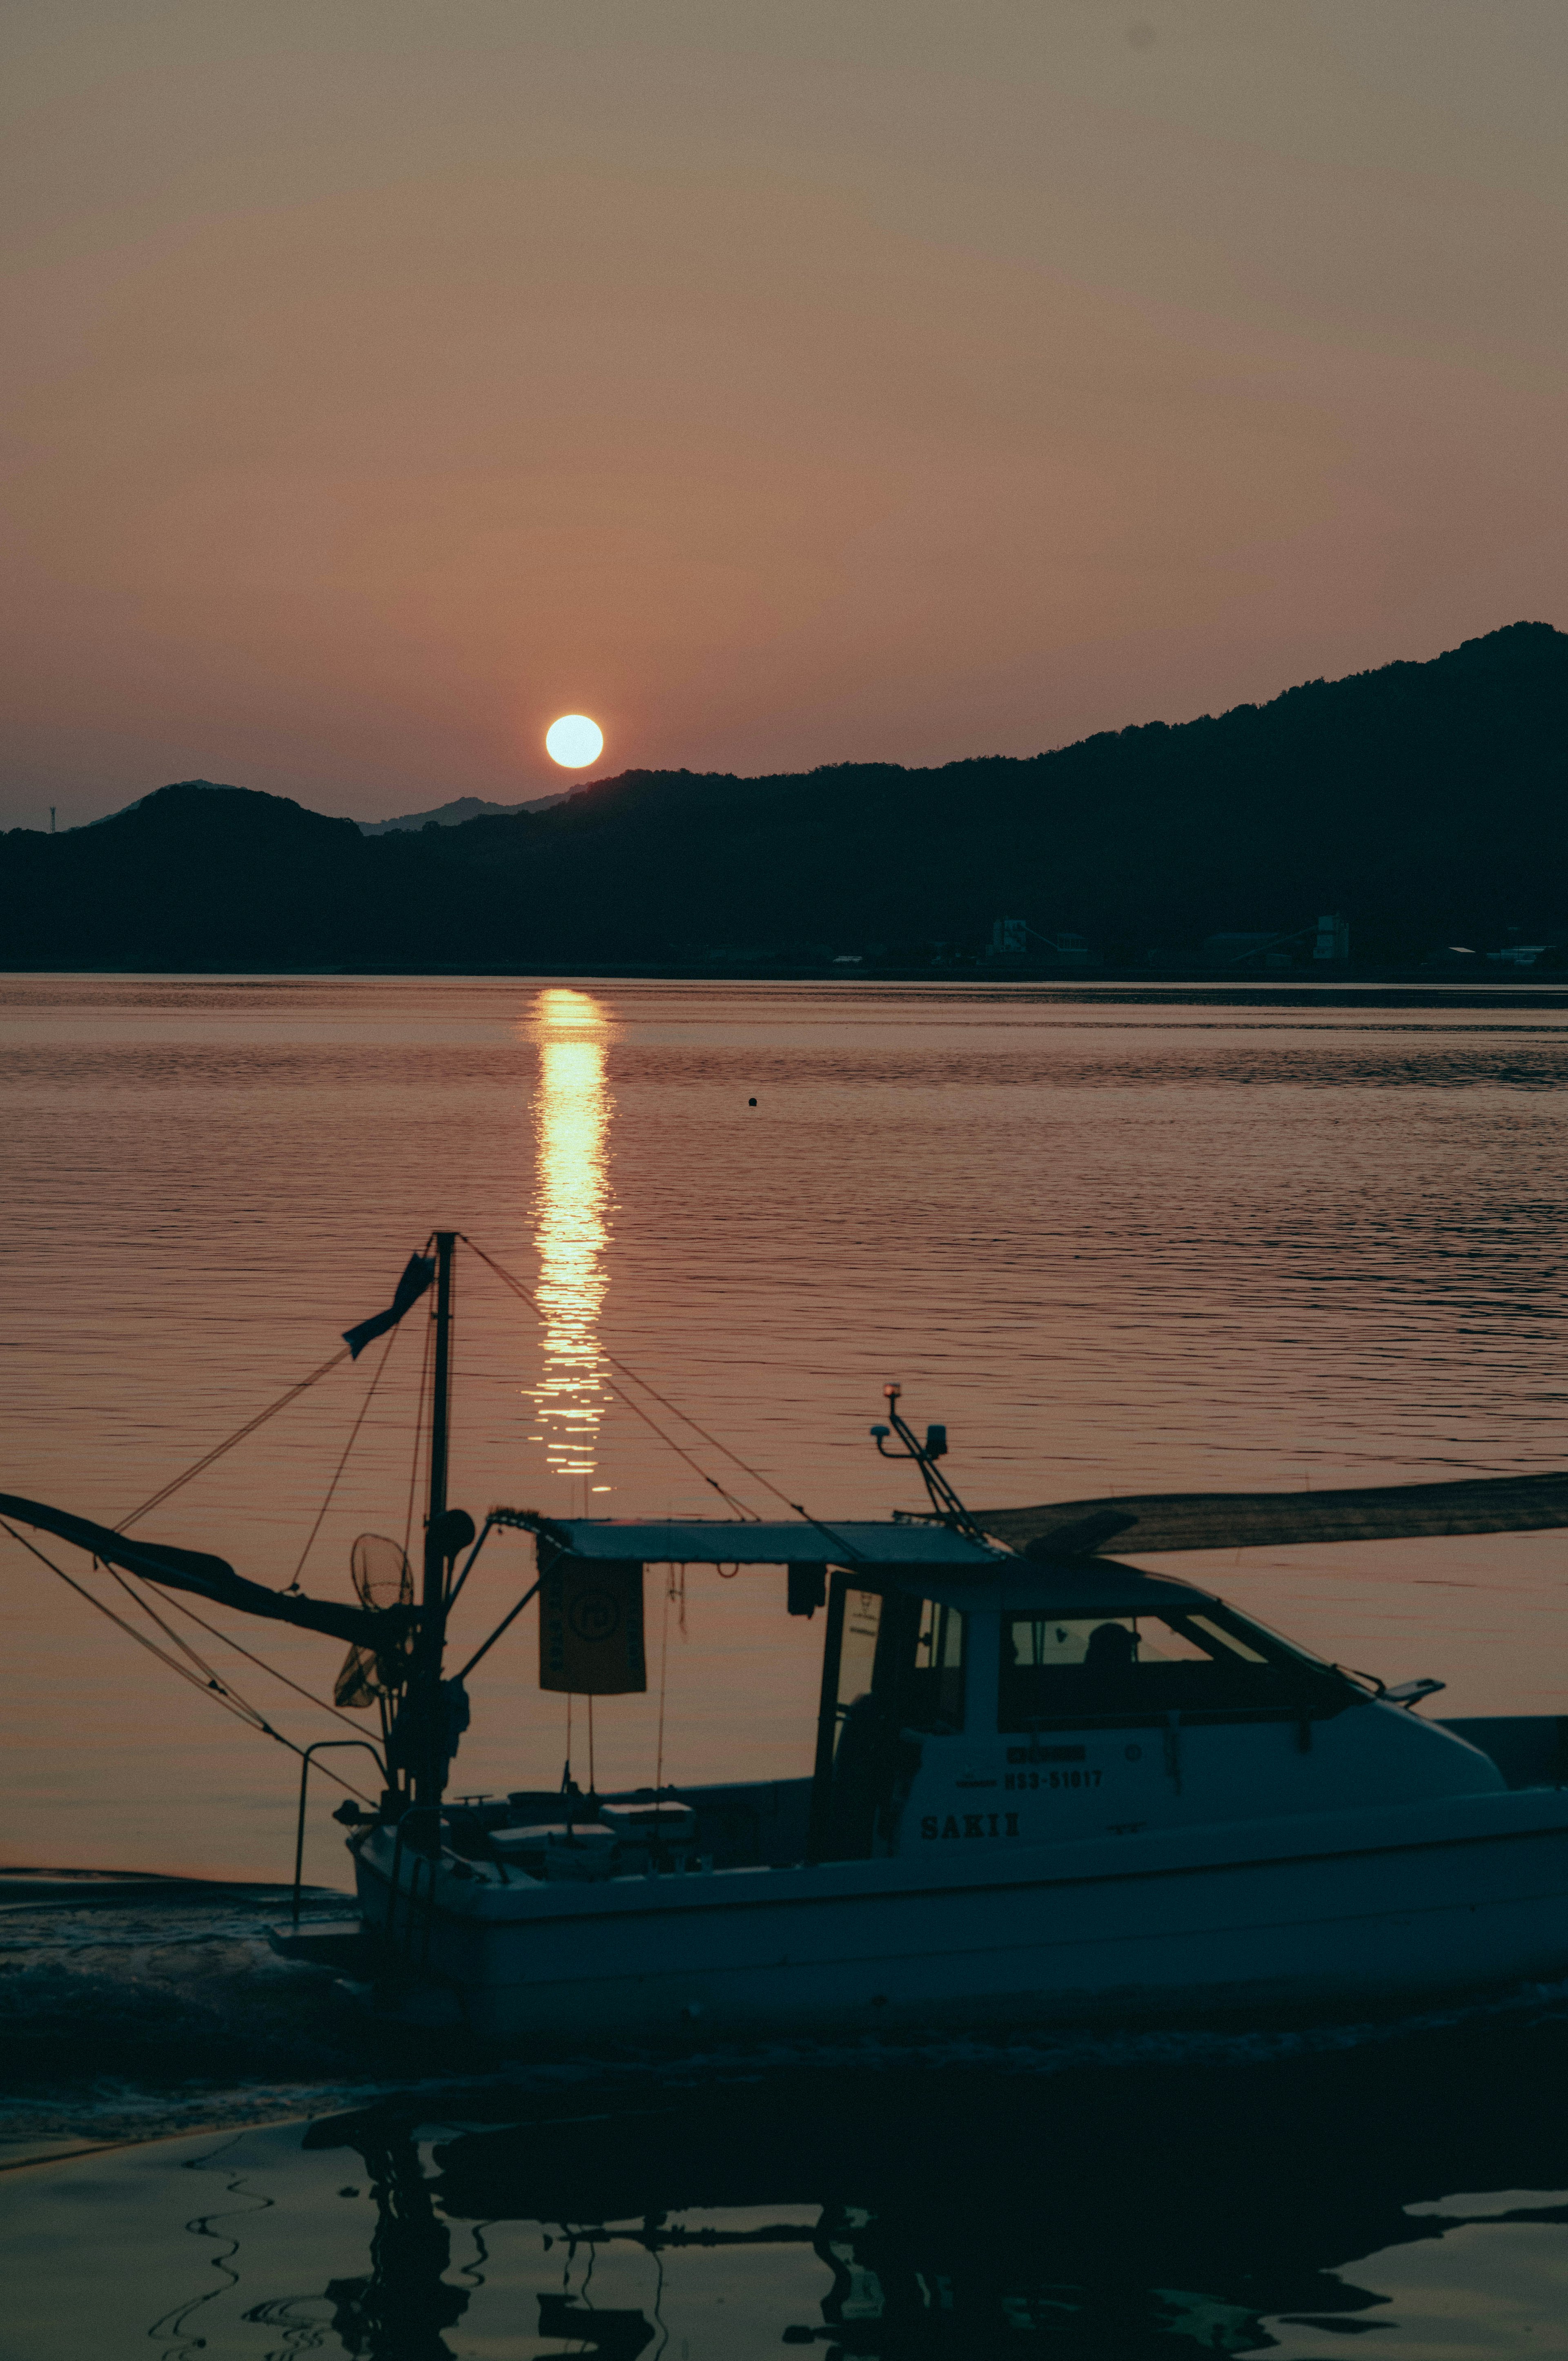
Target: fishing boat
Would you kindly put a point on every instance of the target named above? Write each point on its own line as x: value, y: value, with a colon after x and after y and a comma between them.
x: 1048, y: 1787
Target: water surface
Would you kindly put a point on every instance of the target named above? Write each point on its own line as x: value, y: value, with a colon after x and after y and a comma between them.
x: 1116, y: 1246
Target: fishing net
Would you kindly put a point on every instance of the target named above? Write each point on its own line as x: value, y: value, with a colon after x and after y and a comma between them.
x: 381, y: 1573
x: 383, y: 1578
x: 358, y: 1683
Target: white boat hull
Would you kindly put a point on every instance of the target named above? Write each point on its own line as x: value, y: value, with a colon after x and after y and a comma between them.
x: 1316, y: 1913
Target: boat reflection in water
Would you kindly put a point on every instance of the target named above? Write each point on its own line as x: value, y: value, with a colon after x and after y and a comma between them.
x: 1144, y: 2208
x: 570, y: 1209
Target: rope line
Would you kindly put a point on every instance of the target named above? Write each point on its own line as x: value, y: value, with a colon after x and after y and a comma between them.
x: 231, y: 1704
x: 178, y: 1482
x: 739, y: 1506
x: 262, y: 1665
x: 210, y: 1677
x: 210, y: 1672
x: 337, y: 1472
x: 795, y: 1507
x: 173, y: 1636
x: 242, y: 1713
x: 239, y: 1434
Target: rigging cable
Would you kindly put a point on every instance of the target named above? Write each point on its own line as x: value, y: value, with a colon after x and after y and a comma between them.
x: 676, y: 1412
x: 337, y: 1472
x: 238, y: 1436
x: 211, y: 1678
x: 209, y: 1673
x: 228, y: 1699
x: 739, y: 1506
x: 259, y: 1662
x: 241, y: 1711
x: 147, y: 1607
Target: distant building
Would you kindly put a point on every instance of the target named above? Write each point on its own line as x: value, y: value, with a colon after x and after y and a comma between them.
x: 1330, y: 940
x: 1010, y: 939
x: 1232, y: 950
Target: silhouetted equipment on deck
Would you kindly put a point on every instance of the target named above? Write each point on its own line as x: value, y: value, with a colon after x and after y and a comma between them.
x: 808, y: 1588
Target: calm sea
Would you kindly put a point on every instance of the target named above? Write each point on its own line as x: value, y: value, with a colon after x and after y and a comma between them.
x: 1116, y: 1244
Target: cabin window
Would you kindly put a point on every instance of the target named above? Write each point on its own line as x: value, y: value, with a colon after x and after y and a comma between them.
x: 857, y: 1658
x: 932, y: 1689
x: 909, y: 1654
x: 1210, y: 1630
x: 900, y: 1674
x: 1127, y: 1666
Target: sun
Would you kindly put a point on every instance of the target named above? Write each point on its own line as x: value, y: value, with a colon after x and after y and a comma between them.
x: 574, y: 742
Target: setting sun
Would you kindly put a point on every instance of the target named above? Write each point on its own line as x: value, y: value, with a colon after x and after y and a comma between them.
x: 574, y: 742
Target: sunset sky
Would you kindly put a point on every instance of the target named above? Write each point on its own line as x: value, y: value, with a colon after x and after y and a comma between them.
x: 777, y: 384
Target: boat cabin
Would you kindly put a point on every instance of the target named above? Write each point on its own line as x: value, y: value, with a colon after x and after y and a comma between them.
x: 974, y: 1697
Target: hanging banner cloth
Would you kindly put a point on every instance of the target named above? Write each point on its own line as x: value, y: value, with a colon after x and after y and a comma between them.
x: 417, y: 1275
x: 590, y: 1624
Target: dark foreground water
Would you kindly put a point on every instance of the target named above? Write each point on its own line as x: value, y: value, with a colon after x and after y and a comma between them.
x: 1271, y: 2192
x: 1117, y: 1246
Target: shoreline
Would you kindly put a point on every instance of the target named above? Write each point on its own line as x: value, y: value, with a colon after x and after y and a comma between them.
x: 1109, y: 986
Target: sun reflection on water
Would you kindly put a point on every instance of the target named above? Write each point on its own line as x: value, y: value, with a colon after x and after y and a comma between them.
x: 570, y: 1209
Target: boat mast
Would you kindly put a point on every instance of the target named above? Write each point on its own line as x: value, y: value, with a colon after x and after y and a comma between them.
x: 440, y: 1407
x: 430, y: 1775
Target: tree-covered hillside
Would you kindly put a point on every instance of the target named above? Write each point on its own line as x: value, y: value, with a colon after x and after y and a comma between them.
x: 1426, y: 801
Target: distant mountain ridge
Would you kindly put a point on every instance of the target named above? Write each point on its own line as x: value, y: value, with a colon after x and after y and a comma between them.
x: 1426, y: 801
x: 449, y: 815
x: 461, y: 808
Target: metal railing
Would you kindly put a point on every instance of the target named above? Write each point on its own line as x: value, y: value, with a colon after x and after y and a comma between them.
x: 321, y: 1747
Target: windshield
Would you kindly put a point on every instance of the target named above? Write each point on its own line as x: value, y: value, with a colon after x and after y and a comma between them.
x: 1203, y: 1661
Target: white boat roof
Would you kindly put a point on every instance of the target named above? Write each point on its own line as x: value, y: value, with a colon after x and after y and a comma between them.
x: 722, y: 1541
x: 930, y: 1560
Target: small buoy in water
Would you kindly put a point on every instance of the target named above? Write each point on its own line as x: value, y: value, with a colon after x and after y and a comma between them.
x: 751, y: 1102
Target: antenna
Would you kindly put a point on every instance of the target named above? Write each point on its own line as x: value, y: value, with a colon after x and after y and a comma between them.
x: 945, y: 1502
x: 51, y: 812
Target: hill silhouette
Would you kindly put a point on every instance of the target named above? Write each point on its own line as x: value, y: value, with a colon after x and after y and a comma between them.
x: 453, y: 814
x: 1425, y: 800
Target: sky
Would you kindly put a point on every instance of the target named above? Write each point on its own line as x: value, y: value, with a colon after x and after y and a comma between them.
x: 780, y: 384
